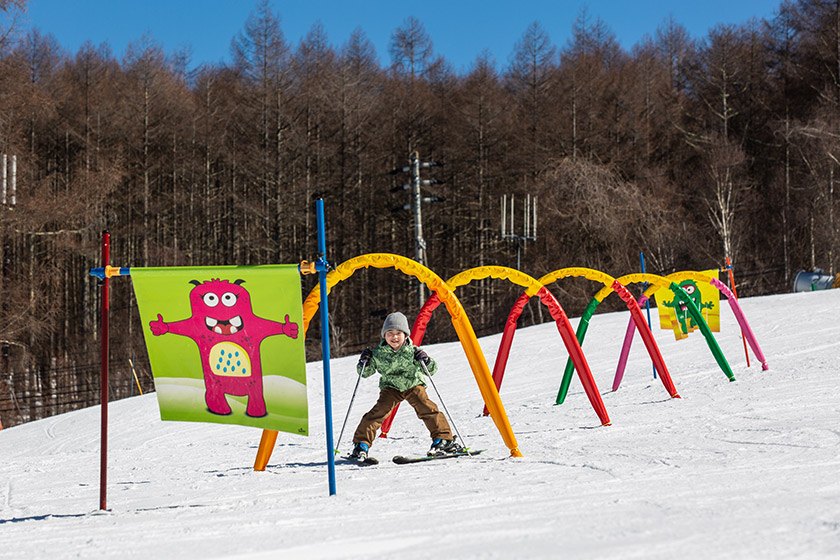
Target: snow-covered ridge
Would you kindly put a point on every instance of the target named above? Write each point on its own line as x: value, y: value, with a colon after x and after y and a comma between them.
x: 732, y: 470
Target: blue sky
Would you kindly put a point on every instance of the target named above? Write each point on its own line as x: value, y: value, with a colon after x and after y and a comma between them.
x: 460, y: 29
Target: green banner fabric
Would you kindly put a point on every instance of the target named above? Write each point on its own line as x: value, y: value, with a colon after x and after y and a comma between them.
x: 226, y: 344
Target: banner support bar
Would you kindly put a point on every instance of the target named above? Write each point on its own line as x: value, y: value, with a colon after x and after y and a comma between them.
x: 107, y: 271
x: 305, y: 267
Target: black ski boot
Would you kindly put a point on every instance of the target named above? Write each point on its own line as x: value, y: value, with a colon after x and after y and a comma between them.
x: 360, y: 451
x: 445, y: 447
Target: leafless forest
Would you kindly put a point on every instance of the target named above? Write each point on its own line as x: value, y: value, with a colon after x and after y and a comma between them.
x: 689, y: 149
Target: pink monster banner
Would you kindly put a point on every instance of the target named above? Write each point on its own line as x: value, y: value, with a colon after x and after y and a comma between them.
x: 225, y: 344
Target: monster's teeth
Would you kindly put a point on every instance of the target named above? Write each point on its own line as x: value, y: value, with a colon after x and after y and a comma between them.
x: 218, y: 330
x: 210, y: 322
x: 233, y: 330
x: 236, y: 322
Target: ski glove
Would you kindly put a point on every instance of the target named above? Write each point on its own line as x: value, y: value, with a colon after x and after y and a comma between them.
x: 365, y: 356
x: 421, y: 356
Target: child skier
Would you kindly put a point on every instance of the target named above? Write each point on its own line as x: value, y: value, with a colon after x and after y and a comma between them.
x: 400, y: 365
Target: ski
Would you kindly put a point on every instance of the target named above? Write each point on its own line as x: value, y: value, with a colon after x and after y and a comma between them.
x: 364, y: 462
x: 400, y: 460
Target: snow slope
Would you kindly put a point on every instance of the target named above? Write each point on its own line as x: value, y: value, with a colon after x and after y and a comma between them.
x: 732, y: 470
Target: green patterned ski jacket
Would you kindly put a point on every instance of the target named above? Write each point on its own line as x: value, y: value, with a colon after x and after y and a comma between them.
x: 398, y: 369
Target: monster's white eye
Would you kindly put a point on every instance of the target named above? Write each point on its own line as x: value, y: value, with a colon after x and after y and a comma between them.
x: 689, y: 290
x: 211, y: 300
x: 228, y: 299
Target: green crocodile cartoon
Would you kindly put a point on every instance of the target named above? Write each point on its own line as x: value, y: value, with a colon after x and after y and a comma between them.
x: 685, y: 319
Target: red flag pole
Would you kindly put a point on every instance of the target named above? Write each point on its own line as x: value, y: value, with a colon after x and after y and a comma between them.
x: 735, y: 293
x: 103, y: 463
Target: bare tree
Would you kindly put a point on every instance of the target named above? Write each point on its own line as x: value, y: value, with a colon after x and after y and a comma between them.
x: 412, y: 54
x: 314, y: 67
x: 783, y: 32
x: 356, y: 101
x: 591, y: 66
x: 146, y: 71
x: 261, y: 54
x: 724, y: 164
x: 412, y: 62
x: 821, y: 155
x: 10, y: 13
x: 531, y: 78
x: 592, y: 213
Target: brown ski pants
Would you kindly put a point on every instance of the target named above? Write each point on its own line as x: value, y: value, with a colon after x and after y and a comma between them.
x: 426, y: 410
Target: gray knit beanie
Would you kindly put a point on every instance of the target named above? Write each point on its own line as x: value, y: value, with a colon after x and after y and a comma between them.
x: 396, y: 321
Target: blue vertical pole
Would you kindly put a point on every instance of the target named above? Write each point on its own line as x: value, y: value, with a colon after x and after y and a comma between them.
x: 322, y: 267
x: 647, y: 303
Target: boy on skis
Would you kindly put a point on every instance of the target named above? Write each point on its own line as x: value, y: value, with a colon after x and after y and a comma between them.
x: 400, y: 365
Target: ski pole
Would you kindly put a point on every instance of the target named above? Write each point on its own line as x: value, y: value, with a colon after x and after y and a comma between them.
x: 443, y: 404
x: 337, y: 445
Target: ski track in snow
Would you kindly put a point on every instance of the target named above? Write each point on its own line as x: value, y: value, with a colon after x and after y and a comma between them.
x: 731, y: 470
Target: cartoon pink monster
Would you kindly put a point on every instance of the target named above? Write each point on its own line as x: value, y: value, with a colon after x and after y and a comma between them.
x: 228, y: 335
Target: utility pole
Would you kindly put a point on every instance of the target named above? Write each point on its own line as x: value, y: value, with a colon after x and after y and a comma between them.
x: 415, y: 206
x: 7, y: 195
x: 529, y: 224
x: 8, y: 192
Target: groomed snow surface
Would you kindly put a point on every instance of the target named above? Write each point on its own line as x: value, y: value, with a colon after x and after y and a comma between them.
x: 749, y: 469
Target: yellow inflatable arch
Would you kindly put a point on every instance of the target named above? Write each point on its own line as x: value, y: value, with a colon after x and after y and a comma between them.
x: 577, y: 271
x: 527, y: 281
